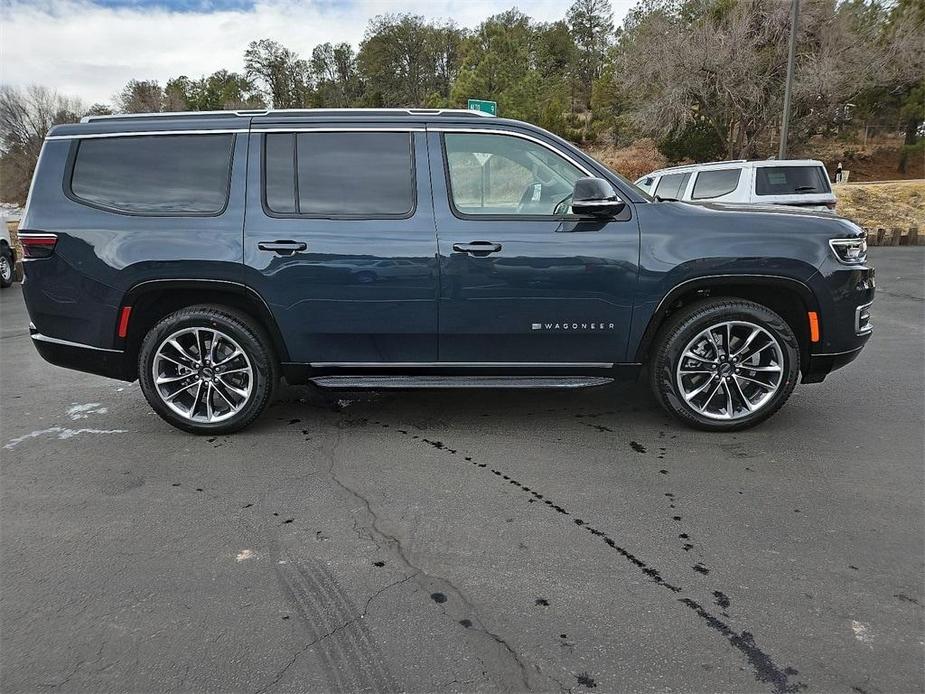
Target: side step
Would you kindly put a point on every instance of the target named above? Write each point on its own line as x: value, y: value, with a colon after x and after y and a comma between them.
x: 415, y: 382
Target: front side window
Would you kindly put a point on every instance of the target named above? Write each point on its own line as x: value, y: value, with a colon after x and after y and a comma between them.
x: 170, y: 175
x: 672, y: 186
x: 712, y: 184
x: 505, y: 175
x: 339, y: 174
x: 791, y: 180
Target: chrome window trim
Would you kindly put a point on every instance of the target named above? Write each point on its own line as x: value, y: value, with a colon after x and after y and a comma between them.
x: 145, y: 133
x: 459, y: 364
x: 68, y: 343
x: 515, y: 133
x: 336, y: 129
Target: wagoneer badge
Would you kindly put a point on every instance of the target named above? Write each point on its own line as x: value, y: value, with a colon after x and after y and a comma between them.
x: 572, y: 326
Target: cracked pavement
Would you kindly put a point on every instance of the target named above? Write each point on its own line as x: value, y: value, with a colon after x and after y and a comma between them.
x: 468, y: 541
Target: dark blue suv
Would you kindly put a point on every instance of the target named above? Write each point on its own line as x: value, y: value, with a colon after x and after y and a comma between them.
x: 209, y: 254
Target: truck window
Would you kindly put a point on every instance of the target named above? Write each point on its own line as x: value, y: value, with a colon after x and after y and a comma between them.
x: 712, y: 184
x: 673, y: 185
x: 791, y: 180
x: 339, y: 174
x: 161, y: 175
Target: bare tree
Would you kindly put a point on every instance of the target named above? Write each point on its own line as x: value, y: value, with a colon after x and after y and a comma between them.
x: 726, y: 68
x: 26, y: 115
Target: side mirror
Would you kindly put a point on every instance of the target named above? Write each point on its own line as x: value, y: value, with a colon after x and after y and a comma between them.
x: 595, y: 196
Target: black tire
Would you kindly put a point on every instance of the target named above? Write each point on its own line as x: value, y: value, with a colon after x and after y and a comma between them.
x: 685, y: 326
x: 7, y: 270
x: 248, y: 335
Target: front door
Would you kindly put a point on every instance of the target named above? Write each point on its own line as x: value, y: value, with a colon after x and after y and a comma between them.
x: 339, y: 240
x: 523, y: 281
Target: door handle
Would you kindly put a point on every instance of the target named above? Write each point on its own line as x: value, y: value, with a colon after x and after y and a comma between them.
x: 477, y: 248
x: 282, y: 247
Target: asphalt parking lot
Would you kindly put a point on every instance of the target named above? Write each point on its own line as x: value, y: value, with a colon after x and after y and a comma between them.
x: 468, y: 541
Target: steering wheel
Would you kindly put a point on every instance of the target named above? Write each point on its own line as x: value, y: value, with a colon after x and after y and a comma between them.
x: 562, y: 207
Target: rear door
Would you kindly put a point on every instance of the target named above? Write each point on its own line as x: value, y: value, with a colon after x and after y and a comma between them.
x: 524, y: 282
x: 339, y: 239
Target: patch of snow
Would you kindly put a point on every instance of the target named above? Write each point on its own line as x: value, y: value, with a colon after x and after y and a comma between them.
x: 245, y: 554
x: 83, y: 411
x: 62, y: 433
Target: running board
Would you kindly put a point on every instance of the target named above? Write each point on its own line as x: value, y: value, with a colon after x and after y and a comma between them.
x: 415, y: 382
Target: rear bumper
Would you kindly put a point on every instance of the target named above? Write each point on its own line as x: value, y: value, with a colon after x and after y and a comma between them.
x: 80, y: 357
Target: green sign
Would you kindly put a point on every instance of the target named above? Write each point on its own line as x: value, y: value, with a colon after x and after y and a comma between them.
x: 490, y: 107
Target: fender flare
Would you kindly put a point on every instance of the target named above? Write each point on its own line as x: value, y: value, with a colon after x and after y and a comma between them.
x: 693, y: 284
x: 250, y: 295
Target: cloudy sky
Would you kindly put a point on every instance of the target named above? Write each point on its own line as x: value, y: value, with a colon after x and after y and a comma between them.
x: 89, y: 49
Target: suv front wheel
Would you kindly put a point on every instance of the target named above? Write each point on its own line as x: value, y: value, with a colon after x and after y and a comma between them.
x: 207, y: 369
x: 725, y: 364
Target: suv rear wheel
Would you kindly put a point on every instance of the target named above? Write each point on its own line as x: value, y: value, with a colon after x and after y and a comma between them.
x: 207, y: 369
x: 725, y: 364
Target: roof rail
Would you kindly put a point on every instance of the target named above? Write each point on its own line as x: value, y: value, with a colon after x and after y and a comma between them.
x: 705, y: 163
x: 292, y: 112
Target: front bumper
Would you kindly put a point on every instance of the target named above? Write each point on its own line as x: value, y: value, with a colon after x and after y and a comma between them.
x: 845, y: 296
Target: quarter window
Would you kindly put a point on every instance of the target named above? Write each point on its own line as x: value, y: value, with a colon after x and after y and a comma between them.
x: 506, y: 175
x: 339, y: 174
x: 171, y: 175
x: 673, y: 186
x: 712, y: 184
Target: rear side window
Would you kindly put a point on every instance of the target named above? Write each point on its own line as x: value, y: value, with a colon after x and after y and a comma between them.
x: 169, y: 175
x: 339, y: 174
x: 673, y: 185
x: 791, y: 180
x: 712, y: 184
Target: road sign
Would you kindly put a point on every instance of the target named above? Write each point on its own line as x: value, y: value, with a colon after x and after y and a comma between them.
x: 490, y: 107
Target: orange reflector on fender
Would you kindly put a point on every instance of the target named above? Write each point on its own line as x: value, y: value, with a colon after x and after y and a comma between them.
x: 813, y: 326
x: 123, y: 320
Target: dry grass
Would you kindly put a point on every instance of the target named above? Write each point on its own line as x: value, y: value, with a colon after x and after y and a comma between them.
x: 888, y: 205
x: 631, y: 162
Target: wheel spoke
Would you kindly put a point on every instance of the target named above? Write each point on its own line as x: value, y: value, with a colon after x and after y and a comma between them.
x: 174, y: 394
x: 730, y: 412
x: 770, y: 368
x: 161, y: 380
x: 234, y: 355
x: 243, y: 369
x: 748, y: 341
x: 766, y: 386
x: 690, y: 355
x: 752, y: 354
x: 712, y: 341
x: 697, y: 391
x: 233, y: 389
x: 745, y: 400
x: 182, y: 350
x: 711, y: 396
x: 224, y: 397
x: 686, y: 372
x: 209, y: 401
x: 192, y: 408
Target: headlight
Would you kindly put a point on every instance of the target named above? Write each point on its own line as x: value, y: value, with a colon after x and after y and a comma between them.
x: 850, y: 251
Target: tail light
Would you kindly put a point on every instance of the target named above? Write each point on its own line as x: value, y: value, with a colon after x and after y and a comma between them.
x: 37, y: 245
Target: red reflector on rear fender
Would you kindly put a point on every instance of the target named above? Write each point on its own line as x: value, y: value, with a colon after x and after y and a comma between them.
x: 813, y: 326
x: 123, y: 320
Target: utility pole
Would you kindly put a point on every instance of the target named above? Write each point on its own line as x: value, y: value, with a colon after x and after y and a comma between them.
x: 791, y: 57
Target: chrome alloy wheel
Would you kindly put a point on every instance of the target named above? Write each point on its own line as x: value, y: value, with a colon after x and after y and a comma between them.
x: 6, y: 269
x: 203, y: 375
x: 730, y: 370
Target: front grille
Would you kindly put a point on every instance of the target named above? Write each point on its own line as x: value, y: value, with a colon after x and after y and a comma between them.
x: 862, y: 324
